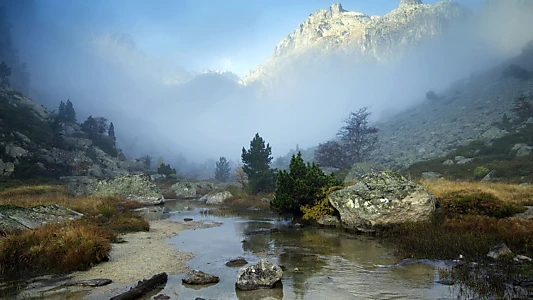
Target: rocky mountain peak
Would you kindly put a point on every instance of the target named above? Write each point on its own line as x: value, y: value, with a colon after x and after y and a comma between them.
x: 335, y: 9
x: 410, y: 2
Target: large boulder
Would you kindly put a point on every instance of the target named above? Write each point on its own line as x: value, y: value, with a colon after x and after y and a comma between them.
x: 358, y: 170
x: 217, y: 198
x: 382, y: 199
x: 79, y: 185
x: 263, y: 275
x: 184, y: 190
x: 133, y: 187
x: 15, y: 218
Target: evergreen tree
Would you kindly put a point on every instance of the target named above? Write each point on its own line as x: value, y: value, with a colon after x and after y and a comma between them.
x: 256, y: 162
x: 61, y: 111
x: 304, y: 184
x: 222, y: 170
x: 111, y: 132
x: 5, y: 72
x: 70, y: 113
x: 90, y: 126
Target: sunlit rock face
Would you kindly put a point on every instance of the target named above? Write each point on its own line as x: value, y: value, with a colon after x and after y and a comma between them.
x: 356, y: 36
x: 382, y: 199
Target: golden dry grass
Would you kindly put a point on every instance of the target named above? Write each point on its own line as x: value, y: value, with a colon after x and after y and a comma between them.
x: 75, y: 245
x: 504, y: 191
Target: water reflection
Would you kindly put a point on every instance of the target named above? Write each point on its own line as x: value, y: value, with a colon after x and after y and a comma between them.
x: 320, y: 263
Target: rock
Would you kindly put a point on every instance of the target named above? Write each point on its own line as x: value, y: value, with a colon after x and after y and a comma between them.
x: 358, y: 170
x: 448, y: 162
x: 77, y: 143
x: 498, y: 251
x: 218, y: 198
x: 264, y: 274
x: 490, y: 176
x: 237, y: 262
x: 464, y: 161
x: 521, y: 150
x: 187, y: 219
x: 446, y: 282
x: 199, y: 277
x: 410, y: 2
x: 382, y: 199
x: 15, y: 151
x: 262, y: 231
x: 330, y: 221
x: 184, y: 190
x: 134, y: 187
x: 493, y: 133
x: 79, y: 185
x: 21, y: 137
x: 431, y: 175
x: 91, y: 282
x: 522, y: 258
x: 161, y: 297
x: 15, y: 218
x: 529, y: 120
x: 6, y: 169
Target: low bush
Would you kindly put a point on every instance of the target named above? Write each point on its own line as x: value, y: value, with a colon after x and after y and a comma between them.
x: 476, y: 202
x: 304, y: 184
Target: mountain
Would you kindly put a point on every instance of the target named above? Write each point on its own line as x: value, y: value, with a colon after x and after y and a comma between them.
x: 337, y: 32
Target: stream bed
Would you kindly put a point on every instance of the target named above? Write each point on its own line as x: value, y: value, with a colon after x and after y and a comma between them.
x: 321, y: 263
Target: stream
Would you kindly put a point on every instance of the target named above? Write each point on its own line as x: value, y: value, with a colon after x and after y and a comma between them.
x: 321, y: 263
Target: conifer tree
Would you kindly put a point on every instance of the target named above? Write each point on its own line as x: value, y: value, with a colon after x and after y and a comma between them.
x: 111, y: 132
x: 256, y: 162
x: 70, y: 113
x: 222, y: 170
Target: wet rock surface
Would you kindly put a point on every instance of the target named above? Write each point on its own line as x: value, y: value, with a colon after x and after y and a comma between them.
x: 237, y: 262
x: 15, y: 218
x: 263, y: 275
x: 199, y: 278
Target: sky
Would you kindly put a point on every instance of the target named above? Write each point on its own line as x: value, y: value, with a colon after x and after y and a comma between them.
x: 71, y: 53
x: 233, y: 35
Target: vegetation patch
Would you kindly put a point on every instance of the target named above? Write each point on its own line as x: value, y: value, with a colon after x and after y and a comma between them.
x: 75, y: 245
x: 476, y: 202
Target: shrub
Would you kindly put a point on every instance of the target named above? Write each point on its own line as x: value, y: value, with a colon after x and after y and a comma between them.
x: 321, y: 207
x: 480, y: 172
x: 476, y: 202
x: 304, y: 184
x: 166, y: 169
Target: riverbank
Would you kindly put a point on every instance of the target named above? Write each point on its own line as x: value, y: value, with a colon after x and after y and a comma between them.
x: 142, y: 255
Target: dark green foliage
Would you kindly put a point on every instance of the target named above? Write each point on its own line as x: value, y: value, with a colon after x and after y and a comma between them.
x: 5, y: 72
x: 256, y: 162
x: 222, y: 170
x: 523, y: 108
x: 34, y: 168
x: 22, y: 119
x: 166, y: 169
x: 474, y: 202
x: 111, y: 132
x: 517, y: 72
x: 66, y: 112
x: 95, y: 129
x: 304, y: 184
x: 357, y: 140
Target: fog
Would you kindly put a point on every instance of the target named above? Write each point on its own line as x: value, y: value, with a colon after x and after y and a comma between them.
x: 160, y: 107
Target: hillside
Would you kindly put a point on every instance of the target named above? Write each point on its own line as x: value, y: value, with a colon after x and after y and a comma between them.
x: 36, y: 145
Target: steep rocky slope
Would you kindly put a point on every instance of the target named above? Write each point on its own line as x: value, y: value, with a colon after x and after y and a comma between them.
x: 467, y: 111
x: 33, y: 145
x: 336, y: 31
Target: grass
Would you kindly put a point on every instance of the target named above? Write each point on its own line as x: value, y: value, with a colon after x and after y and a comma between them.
x: 75, y: 245
x: 471, y: 218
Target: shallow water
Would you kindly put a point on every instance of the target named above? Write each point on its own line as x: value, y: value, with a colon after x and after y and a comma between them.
x: 321, y: 263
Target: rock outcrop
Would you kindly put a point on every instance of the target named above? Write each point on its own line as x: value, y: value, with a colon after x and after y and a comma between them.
x: 217, y: 198
x: 338, y: 32
x: 360, y: 169
x: 382, y: 199
x: 263, y: 275
x: 200, y: 278
x: 15, y: 218
x: 133, y: 187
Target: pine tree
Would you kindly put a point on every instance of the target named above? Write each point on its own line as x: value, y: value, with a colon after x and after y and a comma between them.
x: 256, y: 162
x: 5, y: 72
x: 222, y: 170
x: 111, y: 132
x: 70, y: 113
x: 61, y: 111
